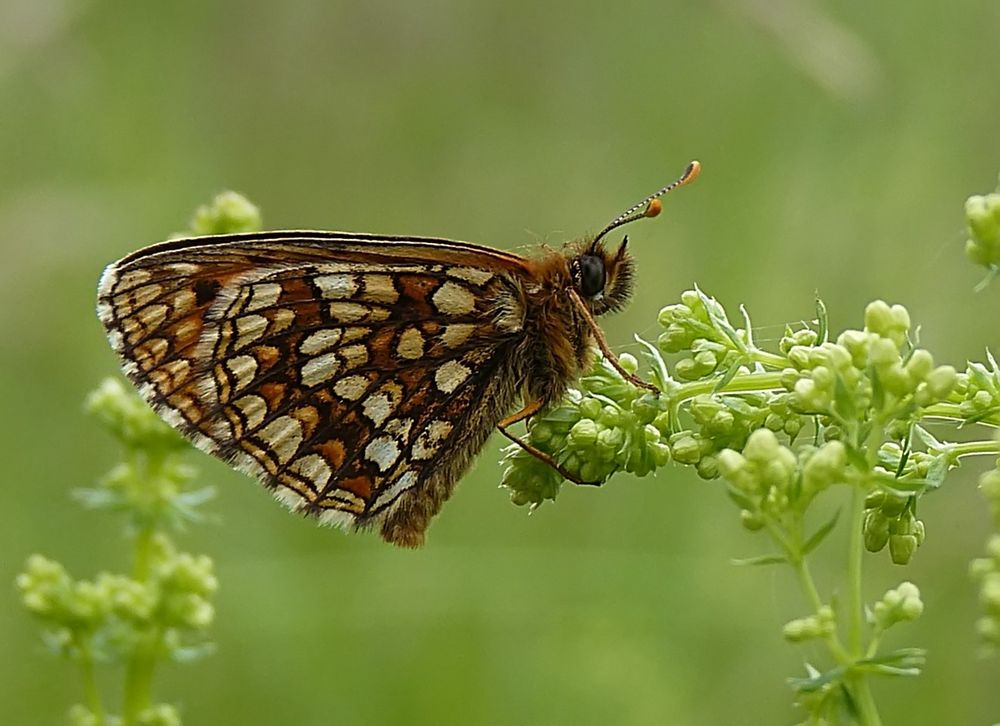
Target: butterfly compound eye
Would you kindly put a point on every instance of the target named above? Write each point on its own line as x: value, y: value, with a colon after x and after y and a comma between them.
x: 592, y: 275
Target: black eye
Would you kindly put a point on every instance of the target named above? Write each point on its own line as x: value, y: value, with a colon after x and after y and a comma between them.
x: 592, y: 275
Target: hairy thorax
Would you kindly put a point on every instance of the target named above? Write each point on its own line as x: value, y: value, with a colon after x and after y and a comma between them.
x: 558, y: 343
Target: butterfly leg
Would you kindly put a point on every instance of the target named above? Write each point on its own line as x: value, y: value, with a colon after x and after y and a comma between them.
x: 528, y: 411
x: 602, y: 342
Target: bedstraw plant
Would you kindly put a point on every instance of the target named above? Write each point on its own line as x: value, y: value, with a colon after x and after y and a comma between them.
x: 162, y: 609
x: 858, y: 414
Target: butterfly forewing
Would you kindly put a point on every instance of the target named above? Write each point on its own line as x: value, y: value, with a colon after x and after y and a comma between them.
x: 354, y: 375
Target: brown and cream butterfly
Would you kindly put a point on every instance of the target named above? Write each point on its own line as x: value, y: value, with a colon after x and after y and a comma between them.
x: 358, y: 375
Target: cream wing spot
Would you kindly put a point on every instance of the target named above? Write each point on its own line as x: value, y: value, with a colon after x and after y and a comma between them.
x: 471, y: 274
x: 411, y: 344
x: 249, y: 328
x: 377, y: 408
x: 450, y: 376
x: 405, y: 481
x: 143, y: 295
x: 282, y: 437
x: 356, y: 332
x: 457, y: 333
x: 380, y: 289
x: 430, y: 440
x: 243, y: 368
x: 351, y: 388
x: 453, y: 299
x: 152, y: 316
x: 320, y: 341
x: 355, y: 355
x: 183, y: 302
x: 133, y: 278
x: 382, y: 451
x: 319, y: 369
x: 253, y: 408
x: 264, y: 295
x: 348, y: 312
x: 336, y: 287
x: 281, y: 319
x: 314, y: 469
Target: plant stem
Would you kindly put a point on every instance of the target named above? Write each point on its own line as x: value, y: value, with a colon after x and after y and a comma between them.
x: 855, y: 553
x: 89, y: 678
x: 970, y: 448
x: 139, y: 678
x: 747, y: 383
x: 953, y: 412
x: 858, y: 682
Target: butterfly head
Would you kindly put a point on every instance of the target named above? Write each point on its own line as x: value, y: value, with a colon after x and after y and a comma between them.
x: 603, y: 276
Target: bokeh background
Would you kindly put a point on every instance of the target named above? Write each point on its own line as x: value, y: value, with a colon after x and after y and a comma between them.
x: 838, y: 140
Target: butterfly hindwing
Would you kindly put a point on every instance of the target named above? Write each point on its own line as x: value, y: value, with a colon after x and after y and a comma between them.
x: 346, y: 375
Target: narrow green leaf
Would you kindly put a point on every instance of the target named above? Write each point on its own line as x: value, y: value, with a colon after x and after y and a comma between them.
x: 729, y: 375
x: 820, y: 534
x: 822, y: 320
x: 758, y: 561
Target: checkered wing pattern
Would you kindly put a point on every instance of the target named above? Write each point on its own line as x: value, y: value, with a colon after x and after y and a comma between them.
x: 347, y: 372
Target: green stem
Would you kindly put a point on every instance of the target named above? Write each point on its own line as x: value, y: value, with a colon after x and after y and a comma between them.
x: 747, y: 383
x: 772, y: 360
x: 953, y: 412
x: 971, y: 448
x: 88, y: 678
x: 139, y: 678
x: 855, y: 681
x: 855, y: 553
x: 837, y: 649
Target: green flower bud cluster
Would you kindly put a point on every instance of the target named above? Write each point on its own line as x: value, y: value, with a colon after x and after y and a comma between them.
x: 980, y: 387
x: 117, y: 611
x: 689, y: 325
x: 987, y: 569
x: 867, y: 373
x: 821, y: 625
x: 228, y: 213
x: 762, y: 475
x: 889, y: 520
x: 153, y: 484
x: 605, y: 426
x: 982, y: 217
x: 165, y: 606
x: 768, y: 479
x: 899, y: 605
x: 721, y: 422
x: 699, y: 330
x: 130, y: 420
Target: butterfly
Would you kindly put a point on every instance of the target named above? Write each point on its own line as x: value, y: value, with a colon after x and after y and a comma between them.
x: 357, y: 376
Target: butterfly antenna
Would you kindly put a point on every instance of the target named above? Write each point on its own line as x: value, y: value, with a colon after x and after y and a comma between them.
x: 651, y: 205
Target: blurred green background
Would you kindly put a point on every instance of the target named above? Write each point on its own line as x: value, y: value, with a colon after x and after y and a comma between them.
x: 839, y: 142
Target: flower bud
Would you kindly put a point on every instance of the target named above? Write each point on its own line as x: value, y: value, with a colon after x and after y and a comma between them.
x: 590, y: 407
x: 902, y: 547
x: 583, y: 434
x: 762, y: 446
x: 876, y: 531
x: 942, y: 381
x: 920, y: 364
x: 686, y: 450
x: 628, y: 363
x: 753, y: 521
x: 673, y: 313
x: 901, y: 604
x: 228, y: 213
